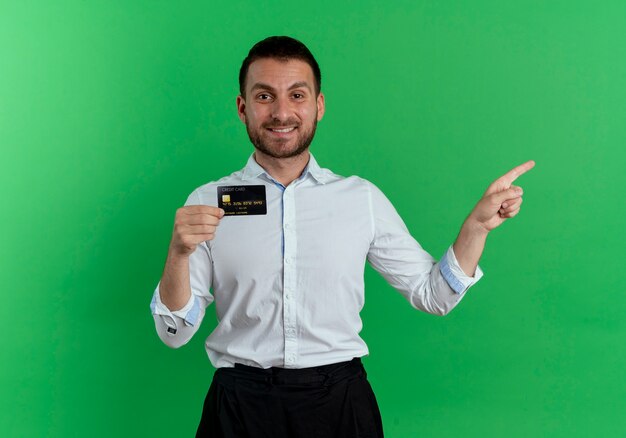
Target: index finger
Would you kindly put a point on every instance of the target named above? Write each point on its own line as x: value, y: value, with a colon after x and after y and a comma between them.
x: 202, y: 209
x: 517, y: 171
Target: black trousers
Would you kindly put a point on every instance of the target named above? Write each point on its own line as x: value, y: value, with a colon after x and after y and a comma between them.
x: 330, y: 401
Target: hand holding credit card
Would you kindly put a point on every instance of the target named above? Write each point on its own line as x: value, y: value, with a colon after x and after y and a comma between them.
x: 193, y: 224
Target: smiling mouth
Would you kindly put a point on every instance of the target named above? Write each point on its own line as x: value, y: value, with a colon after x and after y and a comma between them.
x: 282, y: 130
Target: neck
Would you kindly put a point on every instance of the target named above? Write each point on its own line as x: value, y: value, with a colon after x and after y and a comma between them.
x: 283, y: 170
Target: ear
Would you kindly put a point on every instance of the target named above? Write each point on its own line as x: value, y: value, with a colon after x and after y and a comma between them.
x: 321, y: 107
x: 241, y: 108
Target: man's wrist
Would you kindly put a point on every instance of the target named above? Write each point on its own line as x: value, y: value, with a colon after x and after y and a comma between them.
x: 176, y: 257
x: 474, y: 228
x: 469, y: 245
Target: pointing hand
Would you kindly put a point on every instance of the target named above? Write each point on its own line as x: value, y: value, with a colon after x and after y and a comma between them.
x: 502, y: 200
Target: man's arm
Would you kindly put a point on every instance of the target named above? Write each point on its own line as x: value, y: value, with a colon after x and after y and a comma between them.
x: 177, y: 310
x: 193, y: 225
x: 175, y: 288
x: 501, y: 201
x: 431, y: 286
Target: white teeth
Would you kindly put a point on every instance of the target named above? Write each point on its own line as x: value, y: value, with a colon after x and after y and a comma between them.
x: 284, y: 130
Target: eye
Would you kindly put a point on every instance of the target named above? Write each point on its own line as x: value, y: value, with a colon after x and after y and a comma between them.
x: 263, y: 96
x: 298, y: 95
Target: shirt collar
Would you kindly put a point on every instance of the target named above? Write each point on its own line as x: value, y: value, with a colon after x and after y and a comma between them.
x: 254, y: 170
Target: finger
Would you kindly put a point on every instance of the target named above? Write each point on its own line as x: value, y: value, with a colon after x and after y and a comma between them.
x: 201, y: 209
x: 507, y: 195
x: 516, y: 172
x: 201, y: 229
x: 201, y: 219
x: 510, y: 205
x: 190, y: 230
x: 509, y: 214
x: 516, y: 190
x: 509, y: 209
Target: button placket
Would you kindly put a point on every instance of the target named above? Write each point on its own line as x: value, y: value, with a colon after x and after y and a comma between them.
x: 289, y: 277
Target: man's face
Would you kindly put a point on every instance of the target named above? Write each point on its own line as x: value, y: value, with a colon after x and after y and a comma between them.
x: 280, y: 109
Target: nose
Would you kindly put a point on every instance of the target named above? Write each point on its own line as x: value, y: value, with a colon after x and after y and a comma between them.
x: 281, y: 110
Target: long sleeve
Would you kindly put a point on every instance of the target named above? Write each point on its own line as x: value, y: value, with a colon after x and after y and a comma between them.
x: 176, y: 328
x: 428, y: 285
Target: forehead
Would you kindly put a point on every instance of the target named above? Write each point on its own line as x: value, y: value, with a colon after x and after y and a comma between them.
x: 279, y: 73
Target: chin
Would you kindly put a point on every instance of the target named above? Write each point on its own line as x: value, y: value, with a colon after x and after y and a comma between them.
x: 281, y: 151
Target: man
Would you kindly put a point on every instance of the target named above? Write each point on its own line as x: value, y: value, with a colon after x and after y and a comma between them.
x: 280, y: 246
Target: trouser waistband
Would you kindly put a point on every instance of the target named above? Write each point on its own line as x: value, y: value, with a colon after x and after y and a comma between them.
x: 320, y: 375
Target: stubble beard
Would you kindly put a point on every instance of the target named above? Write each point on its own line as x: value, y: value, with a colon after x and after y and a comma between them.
x: 302, y: 142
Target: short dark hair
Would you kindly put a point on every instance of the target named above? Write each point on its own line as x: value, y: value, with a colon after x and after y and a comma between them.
x: 282, y: 48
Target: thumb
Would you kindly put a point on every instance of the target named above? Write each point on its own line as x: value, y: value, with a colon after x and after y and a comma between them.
x: 510, y: 193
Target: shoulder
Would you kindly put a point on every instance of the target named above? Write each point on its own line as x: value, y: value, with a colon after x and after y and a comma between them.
x: 376, y: 196
x: 329, y: 177
x: 352, y: 185
x: 364, y: 184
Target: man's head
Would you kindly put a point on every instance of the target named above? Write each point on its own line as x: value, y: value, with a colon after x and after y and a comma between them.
x: 280, y: 101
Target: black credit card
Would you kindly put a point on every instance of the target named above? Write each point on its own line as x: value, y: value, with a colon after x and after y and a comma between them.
x: 242, y: 200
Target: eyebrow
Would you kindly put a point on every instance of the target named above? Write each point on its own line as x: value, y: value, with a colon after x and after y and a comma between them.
x: 260, y: 85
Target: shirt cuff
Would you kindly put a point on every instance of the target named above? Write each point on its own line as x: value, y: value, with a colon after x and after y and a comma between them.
x: 189, y: 313
x: 454, y: 275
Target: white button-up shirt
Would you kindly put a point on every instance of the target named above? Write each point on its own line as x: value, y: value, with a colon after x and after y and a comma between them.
x: 288, y: 285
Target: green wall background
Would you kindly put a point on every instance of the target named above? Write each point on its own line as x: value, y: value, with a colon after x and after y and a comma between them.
x: 112, y: 112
